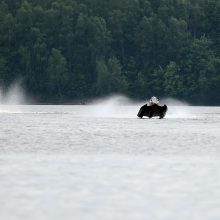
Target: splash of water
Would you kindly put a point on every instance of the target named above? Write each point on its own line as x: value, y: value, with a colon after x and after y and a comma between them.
x: 123, y: 107
x: 173, y: 102
x: 13, y: 96
x: 177, y: 108
x: 114, y: 100
x: 12, y: 99
x: 115, y: 106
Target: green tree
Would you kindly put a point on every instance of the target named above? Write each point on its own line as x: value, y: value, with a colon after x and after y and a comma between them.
x: 136, y: 47
x: 103, y: 78
x: 3, y: 71
x: 57, y: 73
x: 99, y: 36
x: 173, y: 82
x: 117, y: 79
x: 145, y: 43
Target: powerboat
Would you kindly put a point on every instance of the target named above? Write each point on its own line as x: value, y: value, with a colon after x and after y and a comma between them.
x: 152, y: 109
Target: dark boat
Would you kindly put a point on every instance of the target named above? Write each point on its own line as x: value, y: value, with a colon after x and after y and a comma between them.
x: 152, y: 111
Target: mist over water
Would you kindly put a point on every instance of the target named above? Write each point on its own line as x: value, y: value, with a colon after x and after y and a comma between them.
x: 115, y: 106
x: 14, y: 95
x: 120, y: 100
x: 114, y: 100
x: 120, y: 106
x: 15, y: 100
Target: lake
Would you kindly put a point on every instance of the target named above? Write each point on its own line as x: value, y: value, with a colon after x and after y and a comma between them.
x: 101, y: 162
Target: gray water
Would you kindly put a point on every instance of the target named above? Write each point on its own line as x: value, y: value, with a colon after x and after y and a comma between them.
x: 102, y: 162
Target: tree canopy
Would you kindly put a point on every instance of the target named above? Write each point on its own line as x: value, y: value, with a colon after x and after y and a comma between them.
x: 65, y: 50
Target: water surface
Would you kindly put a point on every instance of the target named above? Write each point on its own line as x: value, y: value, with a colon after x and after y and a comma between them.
x: 102, y: 162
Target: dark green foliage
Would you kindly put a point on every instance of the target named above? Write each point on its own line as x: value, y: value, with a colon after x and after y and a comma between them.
x: 77, y: 49
x: 57, y: 74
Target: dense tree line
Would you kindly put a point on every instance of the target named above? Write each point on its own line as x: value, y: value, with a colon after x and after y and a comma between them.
x: 77, y: 49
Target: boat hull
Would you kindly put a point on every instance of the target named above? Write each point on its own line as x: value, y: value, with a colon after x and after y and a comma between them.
x: 152, y: 111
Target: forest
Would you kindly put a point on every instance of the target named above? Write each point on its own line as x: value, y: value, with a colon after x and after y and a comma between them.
x: 75, y: 50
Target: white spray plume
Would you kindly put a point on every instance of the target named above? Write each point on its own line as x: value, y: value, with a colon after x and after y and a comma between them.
x: 114, y: 100
x: 109, y: 107
x: 14, y: 95
x: 177, y: 108
x: 173, y: 102
x: 121, y: 106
